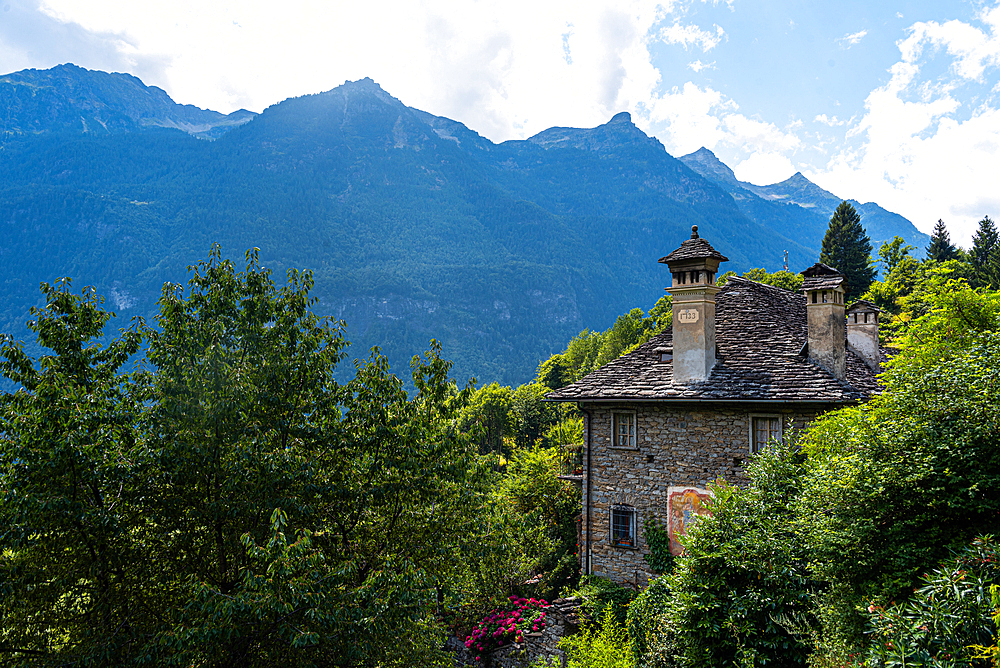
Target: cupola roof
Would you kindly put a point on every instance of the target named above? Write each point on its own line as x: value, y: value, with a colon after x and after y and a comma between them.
x: 694, y: 248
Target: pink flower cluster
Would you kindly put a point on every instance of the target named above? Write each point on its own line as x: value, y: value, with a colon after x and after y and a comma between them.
x: 509, y: 624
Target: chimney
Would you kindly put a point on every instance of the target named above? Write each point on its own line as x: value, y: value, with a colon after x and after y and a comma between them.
x: 862, y: 332
x: 824, y: 288
x: 693, y: 288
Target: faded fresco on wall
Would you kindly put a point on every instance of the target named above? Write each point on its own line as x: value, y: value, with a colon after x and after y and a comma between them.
x: 687, y: 504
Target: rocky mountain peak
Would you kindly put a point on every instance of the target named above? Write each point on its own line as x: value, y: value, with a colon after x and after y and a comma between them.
x: 618, y: 133
x: 705, y: 163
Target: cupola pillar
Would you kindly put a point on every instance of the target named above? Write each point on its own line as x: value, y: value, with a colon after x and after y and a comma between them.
x: 824, y: 288
x: 862, y: 332
x: 693, y: 267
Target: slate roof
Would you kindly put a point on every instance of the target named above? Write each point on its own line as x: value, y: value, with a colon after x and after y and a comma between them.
x: 824, y: 283
x: 761, y: 336
x: 694, y: 248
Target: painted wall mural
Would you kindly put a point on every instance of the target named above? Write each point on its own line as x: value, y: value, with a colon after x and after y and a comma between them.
x: 687, y: 504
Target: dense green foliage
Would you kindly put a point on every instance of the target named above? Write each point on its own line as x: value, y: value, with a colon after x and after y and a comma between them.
x: 600, y: 646
x: 229, y: 503
x: 847, y: 248
x: 946, y: 618
x: 785, y: 280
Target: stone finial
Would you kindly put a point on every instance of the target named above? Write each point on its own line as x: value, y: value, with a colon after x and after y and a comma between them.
x: 694, y: 231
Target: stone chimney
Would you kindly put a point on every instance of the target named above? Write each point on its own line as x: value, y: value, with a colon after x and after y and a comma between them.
x: 862, y: 332
x: 824, y: 288
x: 693, y: 288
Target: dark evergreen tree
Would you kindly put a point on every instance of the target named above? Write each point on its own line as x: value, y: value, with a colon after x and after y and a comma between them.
x: 941, y: 248
x: 985, y: 256
x: 847, y: 248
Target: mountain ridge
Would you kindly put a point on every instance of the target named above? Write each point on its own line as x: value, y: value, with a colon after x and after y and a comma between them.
x: 797, y: 190
x: 415, y: 226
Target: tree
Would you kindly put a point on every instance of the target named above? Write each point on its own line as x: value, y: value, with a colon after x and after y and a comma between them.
x: 235, y: 505
x: 891, y: 253
x: 985, y: 256
x: 72, y: 562
x: 785, y: 280
x: 940, y: 248
x: 847, y: 248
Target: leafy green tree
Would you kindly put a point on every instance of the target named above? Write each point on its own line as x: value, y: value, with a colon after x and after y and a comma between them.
x: 894, y: 484
x: 785, y: 280
x: 847, y: 248
x: 235, y: 505
x: 488, y: 416
x: 940, y: 248
x: 555, y: 372
x: 73, y: 564
x: 531, y: 416
x: 892, y: 253
x: 985, y: 256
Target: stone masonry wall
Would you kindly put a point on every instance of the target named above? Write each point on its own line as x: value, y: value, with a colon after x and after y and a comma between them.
x: 675, y: 446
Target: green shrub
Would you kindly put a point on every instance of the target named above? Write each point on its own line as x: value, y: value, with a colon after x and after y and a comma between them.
x: 944, y: 618
x: 598, y: 595
x: 648, y: 625
x: 603, y: 646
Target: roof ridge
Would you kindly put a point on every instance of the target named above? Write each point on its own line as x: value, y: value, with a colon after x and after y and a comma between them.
x: 772, y: 288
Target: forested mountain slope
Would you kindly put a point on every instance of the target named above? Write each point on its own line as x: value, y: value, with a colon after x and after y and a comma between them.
x: 416, y: 227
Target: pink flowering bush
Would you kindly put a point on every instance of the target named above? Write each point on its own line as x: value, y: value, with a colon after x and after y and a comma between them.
x: 507, y: 625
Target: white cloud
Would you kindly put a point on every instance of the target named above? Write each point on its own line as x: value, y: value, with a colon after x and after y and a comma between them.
x: 687, y: 35
x: 832, y: 122
x: 851, y: 39
x: 698, y: 66
x: 914, y: 155
x: 689, y: 117
x: 764, y: 168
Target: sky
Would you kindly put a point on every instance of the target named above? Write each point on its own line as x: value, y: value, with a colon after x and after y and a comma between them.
x: 892, y: 102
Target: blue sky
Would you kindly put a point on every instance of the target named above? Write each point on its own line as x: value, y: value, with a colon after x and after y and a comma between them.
x: 893, y: 102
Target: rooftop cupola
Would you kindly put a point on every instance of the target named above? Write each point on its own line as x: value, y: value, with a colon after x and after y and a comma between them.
x: 824, y: 288
x: 693, y: 267
x: 862, y: 332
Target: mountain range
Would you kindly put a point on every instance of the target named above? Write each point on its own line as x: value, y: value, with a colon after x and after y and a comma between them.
x: 415, y: 226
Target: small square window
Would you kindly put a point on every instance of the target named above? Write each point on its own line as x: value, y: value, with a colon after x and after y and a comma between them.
x: 623, y: 526
x: 763, y: 430
x: 623, y: 430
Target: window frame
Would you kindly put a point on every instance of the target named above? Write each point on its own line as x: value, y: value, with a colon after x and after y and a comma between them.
x: 634, y: 445
x: 778, y: 435
x: 631, y: 517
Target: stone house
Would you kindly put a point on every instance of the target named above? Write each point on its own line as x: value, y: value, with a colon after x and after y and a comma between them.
x: 741, y: 365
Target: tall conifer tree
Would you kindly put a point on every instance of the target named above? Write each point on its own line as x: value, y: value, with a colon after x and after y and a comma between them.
x: 941, y: 248
x: 847, y: 248
x: 985, y: 256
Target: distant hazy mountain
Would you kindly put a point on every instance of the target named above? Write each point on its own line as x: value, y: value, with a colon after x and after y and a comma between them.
x: 73, y: 99
x: 416, y: 227
x: 812, y: 206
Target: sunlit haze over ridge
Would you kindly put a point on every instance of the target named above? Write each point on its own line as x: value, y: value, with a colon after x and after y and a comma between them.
x: 897, y: 103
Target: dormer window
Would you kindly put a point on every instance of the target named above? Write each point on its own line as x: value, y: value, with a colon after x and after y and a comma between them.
x: 665, y: 353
